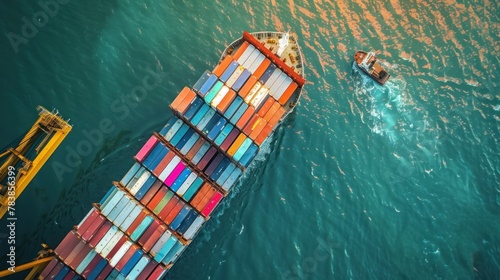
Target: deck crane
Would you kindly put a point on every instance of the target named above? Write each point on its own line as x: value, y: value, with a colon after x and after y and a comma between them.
x: 20, y: 164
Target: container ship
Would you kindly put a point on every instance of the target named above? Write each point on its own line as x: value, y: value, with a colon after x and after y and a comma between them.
x: 148, y: 218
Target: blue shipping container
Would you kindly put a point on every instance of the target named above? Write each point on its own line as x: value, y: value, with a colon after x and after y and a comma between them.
x: 249, y: 155
x: 180, y: 180
x: 233, y: 107
x: 217, y: 128
x: 208, y: 85
x: 220, y: 168
x: 223, y: 134
x: 180, y: 217
x: 189, y: 144
x: 199, y: 115
x: 229, y: 71
x: 241, y: 80
x: 197, y: 86
x: 184, y: 139
x: 193, y: 108
x: 180, y: 133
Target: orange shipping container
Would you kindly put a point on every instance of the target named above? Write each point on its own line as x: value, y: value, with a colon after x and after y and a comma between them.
x: 263, y: 110
x: 262, y: 68
x: 250, y: 125
x: 163, y: 163
x: 247, y: 86
x: 206, y: 199
x: 226, y: 101
x: 195, y: 148
x: 277, y: 116
x: 272, y: 111
x: 240, y: 51
x: 288, y: 92
x: 136, y: 222
x: 199, y: 196
x: 180, y: 97
x: 236, y: 144
x: 245, y: 117
x: 258, y: 128
x: 219, y: 69
x: 263, y: 134
x: 187, y: 100
x: 177, y: 208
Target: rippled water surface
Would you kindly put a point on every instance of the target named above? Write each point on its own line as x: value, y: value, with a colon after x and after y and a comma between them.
x: 360, y: 182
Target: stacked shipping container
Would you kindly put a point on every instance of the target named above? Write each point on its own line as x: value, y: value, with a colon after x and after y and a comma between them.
x: 181, y: 174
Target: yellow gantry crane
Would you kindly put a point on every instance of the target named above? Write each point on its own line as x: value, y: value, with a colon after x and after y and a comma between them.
x: 18, y: 167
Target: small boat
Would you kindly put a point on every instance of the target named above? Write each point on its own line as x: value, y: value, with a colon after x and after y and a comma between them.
x: 367, y: 62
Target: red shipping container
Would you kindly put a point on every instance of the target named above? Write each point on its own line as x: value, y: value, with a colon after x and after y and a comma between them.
x: 87, y: 222
x: 100, y: 233
x: 157, y: 198
x: 151, y: 192
x: 158, y: 273
x: 121, y: 263
x: 171, y: 216
x: 117, y: 247
x: 170, y: 205
x: 105, y: 272
x: 49, y: 267
x: 93, y: 263
x: 136, y: 222
x: 288, y: 92
x: 74, y: 253
x: 245, y: 117
x: 96, y: 224
x: 219, y: 69
x: 79, y: 258
x: 241, y: 50
x: 67, y: 244
x: 207, y: 157
x: 180, y: 97
x: 195, y: 148
x: 59, y: 266
x: 216, y: 198
x: 150, y: 267
x: 163, y: 163
x: 150, y: 242
x: 147, y: 234
x: 70, y: 275
x: 144, y: 151
x: 230, y: 139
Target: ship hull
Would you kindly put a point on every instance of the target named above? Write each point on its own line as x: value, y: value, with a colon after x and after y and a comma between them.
x: 374, y: 72
x: 146, y: 220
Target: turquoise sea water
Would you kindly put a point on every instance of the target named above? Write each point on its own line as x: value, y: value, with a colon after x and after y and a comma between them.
x: 360, y: 182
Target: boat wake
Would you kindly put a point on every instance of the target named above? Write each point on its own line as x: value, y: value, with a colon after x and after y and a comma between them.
x: 391, y: 111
